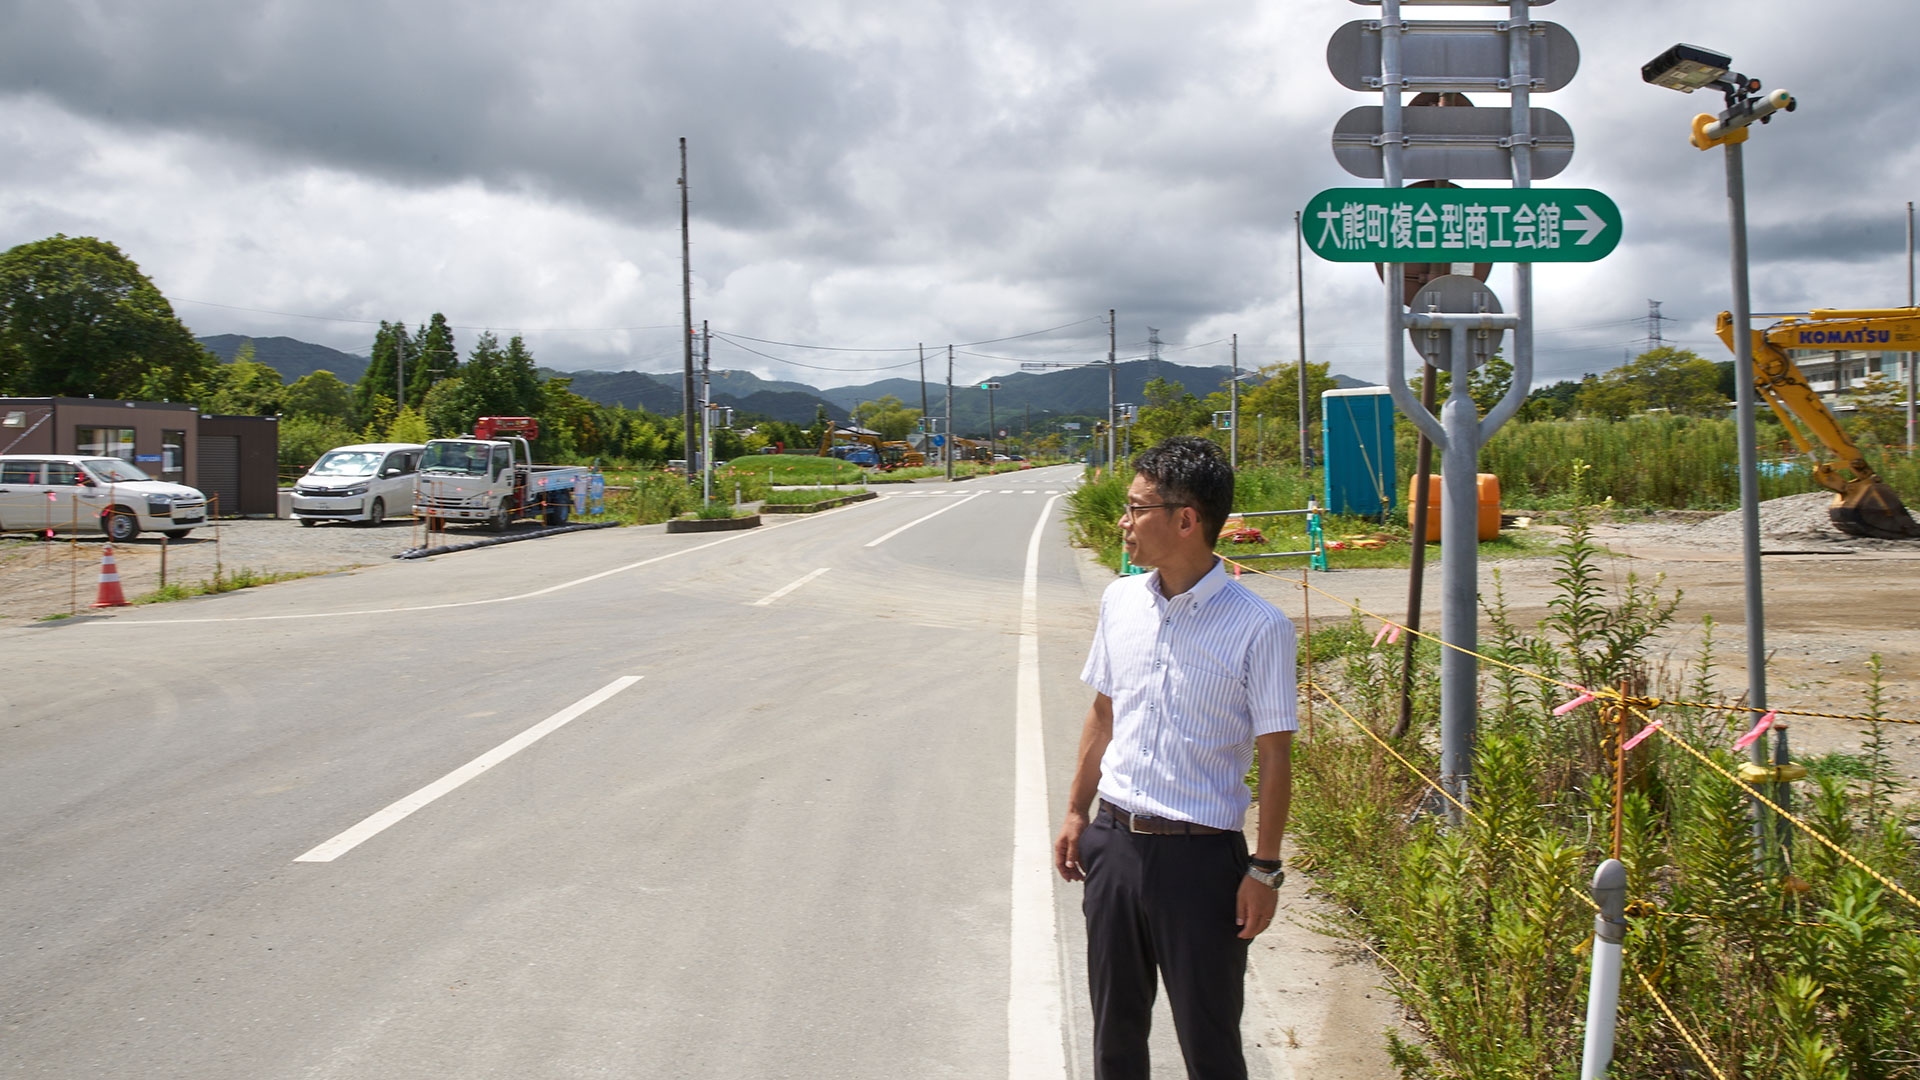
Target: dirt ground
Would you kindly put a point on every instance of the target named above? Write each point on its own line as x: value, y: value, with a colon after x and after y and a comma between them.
x: 1829, y: 603
x: 40, y: 578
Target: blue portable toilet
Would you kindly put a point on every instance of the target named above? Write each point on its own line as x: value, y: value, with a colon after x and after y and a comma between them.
x: 1356, y: 430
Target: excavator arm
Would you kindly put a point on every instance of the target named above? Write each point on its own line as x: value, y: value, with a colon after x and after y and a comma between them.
x: 1863, y: 504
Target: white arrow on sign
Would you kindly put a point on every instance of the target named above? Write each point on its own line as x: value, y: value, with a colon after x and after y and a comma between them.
x: 1588, y: 226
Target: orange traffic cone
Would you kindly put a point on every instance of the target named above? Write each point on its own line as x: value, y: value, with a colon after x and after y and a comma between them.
x: 110, y: 594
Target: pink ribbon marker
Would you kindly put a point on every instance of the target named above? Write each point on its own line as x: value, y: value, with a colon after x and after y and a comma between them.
x: 1585, y: 696
x: 1759, y: 729
x: 1382, y: 635
x: 1644, y: 732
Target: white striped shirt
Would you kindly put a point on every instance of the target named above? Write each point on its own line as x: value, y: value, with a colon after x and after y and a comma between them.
x: 1193, y: 680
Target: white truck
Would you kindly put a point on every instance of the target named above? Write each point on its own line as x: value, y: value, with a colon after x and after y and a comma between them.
x: 489, y: 477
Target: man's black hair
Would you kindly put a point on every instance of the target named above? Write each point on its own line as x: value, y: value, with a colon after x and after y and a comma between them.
x: 1189, y: 470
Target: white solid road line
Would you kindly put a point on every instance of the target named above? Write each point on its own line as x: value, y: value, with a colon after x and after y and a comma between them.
x: 1035, y: 1012
x: 878, y: 540
x: 399, y: 811
x: 787, y: 588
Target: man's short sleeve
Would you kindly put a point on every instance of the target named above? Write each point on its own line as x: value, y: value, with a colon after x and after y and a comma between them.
x: 1272, y: 693
x: 1099, y: 673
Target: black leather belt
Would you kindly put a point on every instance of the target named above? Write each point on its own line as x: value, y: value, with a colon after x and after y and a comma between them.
x: 1157, y: 826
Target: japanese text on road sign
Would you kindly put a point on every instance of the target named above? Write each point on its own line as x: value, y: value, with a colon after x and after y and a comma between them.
x: 1462, y: 225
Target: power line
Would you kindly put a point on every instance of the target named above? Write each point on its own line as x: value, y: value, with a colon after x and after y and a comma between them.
x: 455, y: 326
x: 811, y: 367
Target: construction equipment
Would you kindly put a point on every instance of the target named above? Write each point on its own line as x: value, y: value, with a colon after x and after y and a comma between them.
x: 863, y: 447
x: 899, y: 454
x: 1863, y: 505
x: 971, y: 450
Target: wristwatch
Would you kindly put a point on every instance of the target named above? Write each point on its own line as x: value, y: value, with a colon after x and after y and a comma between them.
x: 1269, y: 873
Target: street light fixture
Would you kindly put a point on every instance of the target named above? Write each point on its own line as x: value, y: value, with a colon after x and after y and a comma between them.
x: 1687, y: 68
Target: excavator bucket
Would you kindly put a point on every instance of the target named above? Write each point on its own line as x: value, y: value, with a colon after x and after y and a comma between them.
x: 1869, y: 508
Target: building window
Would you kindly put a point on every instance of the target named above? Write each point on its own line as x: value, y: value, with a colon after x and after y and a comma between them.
x: 173, y: 453
x: 105, y: 442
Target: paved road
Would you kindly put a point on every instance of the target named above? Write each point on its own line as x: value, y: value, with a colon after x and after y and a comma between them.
x: 758, y: 804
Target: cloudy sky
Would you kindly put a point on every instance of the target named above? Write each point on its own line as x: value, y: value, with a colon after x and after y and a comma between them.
x: 868, y: 176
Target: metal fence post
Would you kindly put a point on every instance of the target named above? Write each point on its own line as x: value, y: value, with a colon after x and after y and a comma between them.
x: 1603, y: 990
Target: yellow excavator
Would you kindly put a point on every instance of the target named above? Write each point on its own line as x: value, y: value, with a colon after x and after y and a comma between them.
x: 1863, y: 504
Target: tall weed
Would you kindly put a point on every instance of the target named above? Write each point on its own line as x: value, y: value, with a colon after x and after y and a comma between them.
x: 1778, y: 967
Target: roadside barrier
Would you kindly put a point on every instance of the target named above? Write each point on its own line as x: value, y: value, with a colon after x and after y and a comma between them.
x: 1628, y: 720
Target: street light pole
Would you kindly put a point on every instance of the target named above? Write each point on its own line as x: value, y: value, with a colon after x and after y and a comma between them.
x: 1688, y: 68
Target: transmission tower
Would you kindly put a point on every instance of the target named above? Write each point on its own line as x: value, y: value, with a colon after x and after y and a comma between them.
x: 1654, y: 319
x: 1153, y: 353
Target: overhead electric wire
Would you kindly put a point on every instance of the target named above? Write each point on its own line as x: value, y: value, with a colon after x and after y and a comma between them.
x: 811, y: 367
x: 402, y: 322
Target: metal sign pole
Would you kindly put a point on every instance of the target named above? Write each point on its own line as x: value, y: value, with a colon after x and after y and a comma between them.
x: 1449, y: 225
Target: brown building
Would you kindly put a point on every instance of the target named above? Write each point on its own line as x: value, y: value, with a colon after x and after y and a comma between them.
x: 231, y: 458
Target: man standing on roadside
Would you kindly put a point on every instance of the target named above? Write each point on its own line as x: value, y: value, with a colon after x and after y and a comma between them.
x: 1191, y: 672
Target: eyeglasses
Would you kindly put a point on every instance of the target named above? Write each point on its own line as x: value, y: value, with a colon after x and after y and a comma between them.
x: 1134, y: 510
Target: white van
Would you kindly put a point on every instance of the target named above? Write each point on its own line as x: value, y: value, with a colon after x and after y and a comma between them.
x: 87, y: 493
x: 365, y: 482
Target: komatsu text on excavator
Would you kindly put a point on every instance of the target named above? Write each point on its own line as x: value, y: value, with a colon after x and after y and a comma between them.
x: 1863, y: 504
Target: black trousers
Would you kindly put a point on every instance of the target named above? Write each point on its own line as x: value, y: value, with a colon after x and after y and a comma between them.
x: 1165, y: 904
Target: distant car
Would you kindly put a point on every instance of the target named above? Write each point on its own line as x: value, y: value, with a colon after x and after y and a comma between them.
x: 87, y: 493
x: 367, y: 482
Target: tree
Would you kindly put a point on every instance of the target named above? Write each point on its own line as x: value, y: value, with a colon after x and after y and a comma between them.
x: 445, y: 408
x: 521, y: 379
x: 889, y: 416
x: 409, y: 427
x: 1669, y: 379
x: 1276, y: 398
x: 320, y: 395
x: 1549, y: 402
x: 434, y: 358
x: 1880, y: 411
x: 1486, y: 384
x: 391, y: 349
x: 485, y: 377
x: 77, y: 317
x: 1168, y: 410
x: 244, y: 387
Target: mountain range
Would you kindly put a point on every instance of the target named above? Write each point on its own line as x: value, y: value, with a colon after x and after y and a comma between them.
x: 1020, y: 399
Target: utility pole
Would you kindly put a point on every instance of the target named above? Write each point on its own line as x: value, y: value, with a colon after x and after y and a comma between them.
x: 926, y: 425
x: 1911, y: 357
x: 1233, y: 418
x: 949, y: 434
x: 686, y: 311
x: 1110, y: 394
x: 706, y: 415
x: 1300, y: 322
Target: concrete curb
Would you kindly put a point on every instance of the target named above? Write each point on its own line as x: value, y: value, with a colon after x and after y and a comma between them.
x: 704, y: 525
x: 816, y: 507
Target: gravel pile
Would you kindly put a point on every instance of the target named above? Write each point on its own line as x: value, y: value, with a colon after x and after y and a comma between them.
x: 1796, y: 522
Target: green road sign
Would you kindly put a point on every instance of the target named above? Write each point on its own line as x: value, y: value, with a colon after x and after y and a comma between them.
x: 1462, y: 225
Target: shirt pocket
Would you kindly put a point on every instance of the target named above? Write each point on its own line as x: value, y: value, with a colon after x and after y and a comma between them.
x: 1205, y: 687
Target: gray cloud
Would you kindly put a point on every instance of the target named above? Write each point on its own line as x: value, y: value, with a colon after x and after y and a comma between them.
x: 869, y: 175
